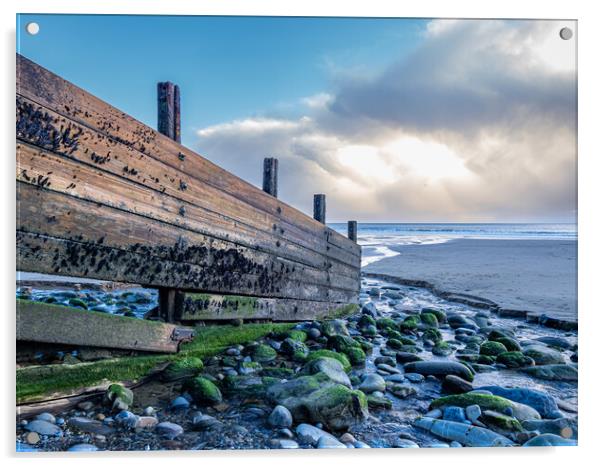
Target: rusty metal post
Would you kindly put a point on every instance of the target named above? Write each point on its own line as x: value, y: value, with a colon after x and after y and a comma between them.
x: 168, y: 123
x: 320, y: 207
x: 352, y: 230
x: 270, y: 176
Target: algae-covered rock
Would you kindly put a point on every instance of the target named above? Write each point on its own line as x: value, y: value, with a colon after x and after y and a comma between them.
x: 342, y: 343
x: 438, y: 313
x: 334, y: 327
x: 432, y: 334
x: 336, y: 406
x: 514, y: 359
x: 297, y: 335
x: 330, y: 367
x: 356, y: 356
x: 500, y: 423
x: 409, y: 324
x: 324, y: 353
x: 298, y: 387
x: 278, y: 372
x: 484, y: 359
x: 559, y: 372
x: 440, y: 368
x: 487, y: 402
x: 442, y: 348
x: 247, y: 385
x: 510, y: 343
x: 76, y: 302
x: 429, y: 319
x: 385, y: 323
x: 204, y: 391
x: 118, y: 397
x: 543, y: 355
x: 378, y: 402
x: 492, y: 348
x: 295, y: 348
x: 182, y: 368
x: 484, y: 401
x: 264, y: 353
x: 366, y: 320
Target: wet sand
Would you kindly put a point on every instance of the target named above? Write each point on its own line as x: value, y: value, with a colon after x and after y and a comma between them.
x: 533, y: 275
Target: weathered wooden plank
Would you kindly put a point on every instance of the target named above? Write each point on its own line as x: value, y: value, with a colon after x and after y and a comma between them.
x: 50, y: 90
x: 37, y: 253
x: 217, y: 307
x: 48, y: 130
x: 98, y: 224
x: 56, y: 173
x: 49, y: 323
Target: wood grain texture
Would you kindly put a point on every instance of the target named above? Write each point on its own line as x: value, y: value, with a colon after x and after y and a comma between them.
x: 49, y: 90
x: 48, y: 323
x: 103, y: 196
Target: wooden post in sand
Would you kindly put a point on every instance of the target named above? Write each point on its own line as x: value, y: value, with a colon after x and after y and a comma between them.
x: 320, y: 207
x: 270, y: 176
x: 168, y: 123
x: 352, y: 230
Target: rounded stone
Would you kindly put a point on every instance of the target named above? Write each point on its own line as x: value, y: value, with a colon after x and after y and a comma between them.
x: 280, y: 417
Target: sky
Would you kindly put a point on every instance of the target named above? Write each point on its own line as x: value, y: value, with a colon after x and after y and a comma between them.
x: 395, y: 120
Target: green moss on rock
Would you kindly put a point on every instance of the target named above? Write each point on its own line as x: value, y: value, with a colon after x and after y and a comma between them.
x: 492, y: 348
x: 429, y: 319
x: 297, y: 335
x: 356, y: 356
x: 204, y: 391
x: 76, y: 302
x: 432, y: 334
x: 510, y: 343
x: 492, y: 402
x: 182, y: 368
x: 264, y: 353
x: 514, y: 359
x: 324, y: 353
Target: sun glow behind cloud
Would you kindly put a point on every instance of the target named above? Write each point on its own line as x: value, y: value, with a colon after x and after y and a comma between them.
x: 478, y: 125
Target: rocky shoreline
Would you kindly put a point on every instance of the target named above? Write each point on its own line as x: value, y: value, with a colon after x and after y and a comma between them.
x: 410, y: 369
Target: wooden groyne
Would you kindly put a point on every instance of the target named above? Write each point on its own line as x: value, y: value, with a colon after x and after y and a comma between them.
x: 101, y: 195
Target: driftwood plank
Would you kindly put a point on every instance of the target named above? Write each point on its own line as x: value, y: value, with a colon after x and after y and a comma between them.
x: 49, y: 323
x: 45, y: 88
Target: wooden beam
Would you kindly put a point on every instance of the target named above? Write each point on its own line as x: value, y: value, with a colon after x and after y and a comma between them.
x: 320, y: 207
x: 270, y: 176
x: 50, y: 91
x: 49, y: 323
x: 218, y: 307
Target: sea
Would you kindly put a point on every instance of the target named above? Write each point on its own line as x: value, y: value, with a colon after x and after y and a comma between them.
x: 377, y: 239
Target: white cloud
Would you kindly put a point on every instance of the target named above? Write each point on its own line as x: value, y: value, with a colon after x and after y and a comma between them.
x: 478, y: 124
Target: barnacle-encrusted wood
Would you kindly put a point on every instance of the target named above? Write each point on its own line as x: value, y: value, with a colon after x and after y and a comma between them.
x: 101, y: 195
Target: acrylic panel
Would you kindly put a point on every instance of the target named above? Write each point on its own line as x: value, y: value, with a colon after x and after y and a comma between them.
x: 295, y: 233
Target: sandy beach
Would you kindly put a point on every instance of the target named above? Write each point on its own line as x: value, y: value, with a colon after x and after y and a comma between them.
x: 534, y: 275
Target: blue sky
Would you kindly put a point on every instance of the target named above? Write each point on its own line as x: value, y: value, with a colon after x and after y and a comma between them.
x: 395, y: 120
x: 227, y: 67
